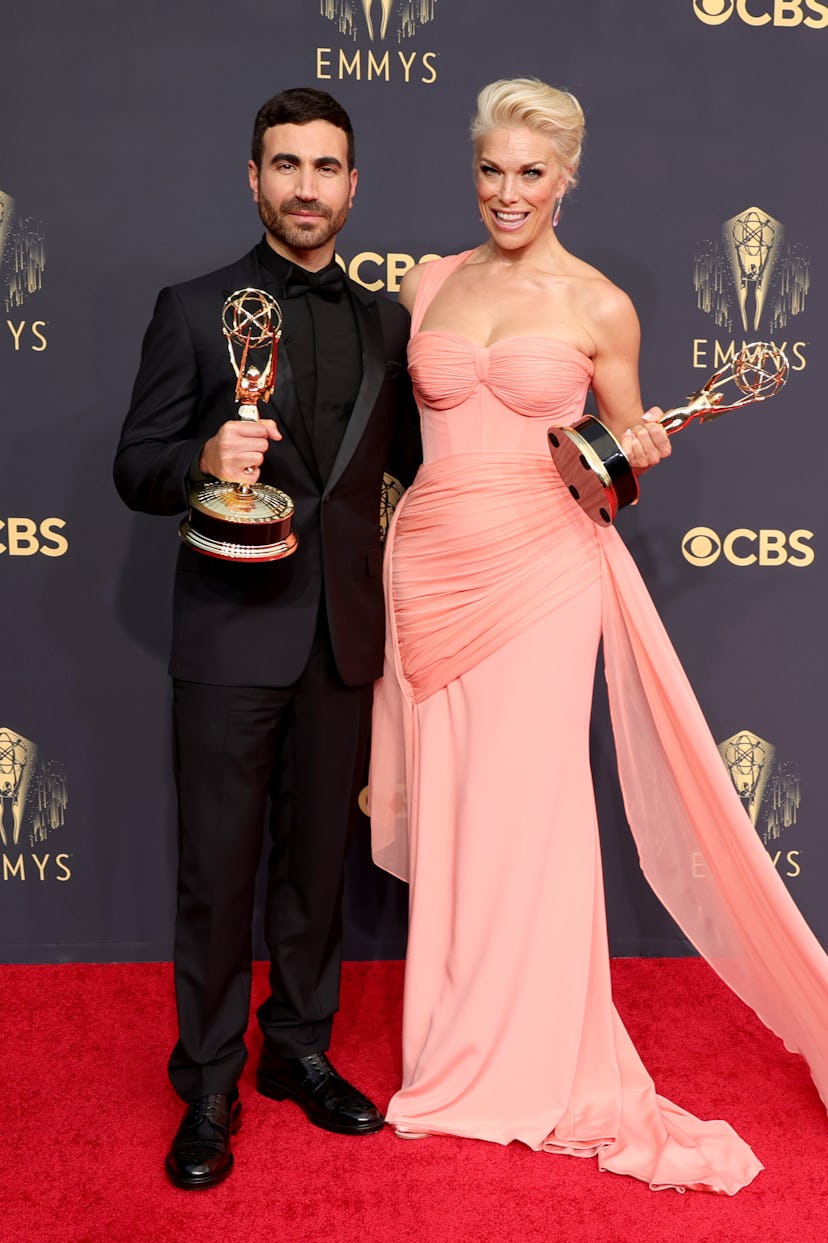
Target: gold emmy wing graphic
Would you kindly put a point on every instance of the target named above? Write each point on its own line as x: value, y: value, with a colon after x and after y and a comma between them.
x: 22, y: 253
x: 237, y: 521
x: 6, y: 217
x: 595, y: 468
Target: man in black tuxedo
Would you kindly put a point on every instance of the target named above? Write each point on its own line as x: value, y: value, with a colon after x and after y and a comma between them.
x: 272, y: 664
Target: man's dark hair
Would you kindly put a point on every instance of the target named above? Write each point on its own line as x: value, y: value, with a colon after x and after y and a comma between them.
x: 298, y: 106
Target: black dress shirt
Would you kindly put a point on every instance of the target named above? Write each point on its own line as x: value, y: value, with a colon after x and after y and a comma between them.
x: 321, y: 339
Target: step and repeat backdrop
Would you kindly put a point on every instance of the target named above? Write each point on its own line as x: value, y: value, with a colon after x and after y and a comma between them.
x: 123, y: 168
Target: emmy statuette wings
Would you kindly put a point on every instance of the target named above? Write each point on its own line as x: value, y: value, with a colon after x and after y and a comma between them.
x: 236, y: 521
x: 595, y: 468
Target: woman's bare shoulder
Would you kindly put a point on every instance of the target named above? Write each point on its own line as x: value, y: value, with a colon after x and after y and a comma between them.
x: 409, y: 285
x: 600, y: 301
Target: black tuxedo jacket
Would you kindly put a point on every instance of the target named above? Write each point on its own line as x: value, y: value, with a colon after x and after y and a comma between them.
x: 253, y: 624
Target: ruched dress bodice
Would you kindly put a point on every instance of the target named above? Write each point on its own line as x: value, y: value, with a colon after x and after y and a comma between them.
x: 469, y: 395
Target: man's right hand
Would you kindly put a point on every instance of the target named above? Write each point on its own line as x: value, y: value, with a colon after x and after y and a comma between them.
x: 237, y: 450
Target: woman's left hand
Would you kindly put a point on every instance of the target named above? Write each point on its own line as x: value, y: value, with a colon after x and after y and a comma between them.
x: 646, y: 443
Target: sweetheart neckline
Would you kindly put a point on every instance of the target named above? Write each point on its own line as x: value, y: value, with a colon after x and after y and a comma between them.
x: 458, y: 336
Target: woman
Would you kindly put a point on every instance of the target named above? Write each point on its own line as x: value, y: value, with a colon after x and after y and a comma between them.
x: 498, y: 591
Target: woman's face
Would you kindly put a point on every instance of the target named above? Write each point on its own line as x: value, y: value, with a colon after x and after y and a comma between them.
x: 519, y: 181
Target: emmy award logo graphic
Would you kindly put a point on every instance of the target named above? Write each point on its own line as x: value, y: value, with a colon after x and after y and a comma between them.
x: 235, y: 521
x: 33, y: 801
x: 595, y: 468
x: 17, y: 760
x: 750, y: 273
x: 749, y: 760
x: 22, y: 254
x: 392, y: 491
x: 768, y: 787
x: 375, y: 16
x: 385, y: 7
x: 753, y: 243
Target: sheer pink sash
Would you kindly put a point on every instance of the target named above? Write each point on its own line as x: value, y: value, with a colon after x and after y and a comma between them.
x: 697, y: 847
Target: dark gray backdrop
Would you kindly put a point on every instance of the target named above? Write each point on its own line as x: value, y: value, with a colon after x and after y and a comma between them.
x: 125, y: 141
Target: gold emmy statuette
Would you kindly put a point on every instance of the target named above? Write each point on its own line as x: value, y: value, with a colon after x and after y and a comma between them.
x: 239, y: 521
x: 595, y: 468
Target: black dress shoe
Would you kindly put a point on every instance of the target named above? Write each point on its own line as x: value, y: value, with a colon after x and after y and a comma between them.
x: 328, y: 1100
x: 200, y: 1155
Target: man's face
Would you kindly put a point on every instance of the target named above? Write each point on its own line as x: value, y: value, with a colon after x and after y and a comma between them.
x: 304, y: 190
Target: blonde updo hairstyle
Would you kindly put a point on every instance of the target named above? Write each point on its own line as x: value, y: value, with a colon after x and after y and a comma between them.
x: 528, y: 102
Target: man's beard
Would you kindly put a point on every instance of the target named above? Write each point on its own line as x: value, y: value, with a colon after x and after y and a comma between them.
x: 301, y: 236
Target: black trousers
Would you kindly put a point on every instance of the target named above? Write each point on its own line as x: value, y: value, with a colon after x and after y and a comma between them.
x: 304, y: 747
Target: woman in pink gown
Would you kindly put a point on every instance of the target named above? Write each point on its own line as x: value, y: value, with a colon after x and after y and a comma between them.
x: 499, y: 589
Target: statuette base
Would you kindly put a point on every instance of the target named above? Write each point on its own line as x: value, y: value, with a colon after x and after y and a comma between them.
x: 235, y: 522
x: 594, y: 468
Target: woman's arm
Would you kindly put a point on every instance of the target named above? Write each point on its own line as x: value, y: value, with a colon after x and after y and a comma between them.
x: 614, y: 327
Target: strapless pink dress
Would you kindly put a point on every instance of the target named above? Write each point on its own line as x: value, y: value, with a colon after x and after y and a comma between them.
x: 498, y: 591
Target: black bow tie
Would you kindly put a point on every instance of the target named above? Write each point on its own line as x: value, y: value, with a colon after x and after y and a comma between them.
x: 329, y: 283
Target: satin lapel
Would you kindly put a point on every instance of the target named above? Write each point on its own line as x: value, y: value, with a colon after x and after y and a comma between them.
x: 373, y: 373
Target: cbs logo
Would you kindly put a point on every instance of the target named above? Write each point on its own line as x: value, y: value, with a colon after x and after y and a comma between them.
x: 702, y: 546
x: 23, y: 537
x: 813, y: 13
x: 374, y: 271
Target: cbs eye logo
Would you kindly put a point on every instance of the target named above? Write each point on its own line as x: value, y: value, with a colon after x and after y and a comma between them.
x: 702, y: 546
x: 713, y: 12
x: 813, y: 13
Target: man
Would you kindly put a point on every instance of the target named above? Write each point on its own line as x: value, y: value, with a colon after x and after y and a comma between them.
x: 272, y: 663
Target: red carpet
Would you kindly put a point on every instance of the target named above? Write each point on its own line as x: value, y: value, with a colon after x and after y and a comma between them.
x: 89, y: 1116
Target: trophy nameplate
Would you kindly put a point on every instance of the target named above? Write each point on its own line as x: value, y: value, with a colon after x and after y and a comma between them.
x: 238, y: 521
x: 595, y: 468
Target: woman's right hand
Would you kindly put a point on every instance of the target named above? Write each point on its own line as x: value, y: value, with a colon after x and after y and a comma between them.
x: 646, y: 443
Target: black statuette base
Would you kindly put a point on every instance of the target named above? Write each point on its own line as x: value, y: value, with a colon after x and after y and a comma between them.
x: 594, y: 468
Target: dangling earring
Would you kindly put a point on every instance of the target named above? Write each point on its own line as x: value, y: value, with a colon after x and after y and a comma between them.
x: 556, y: 218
